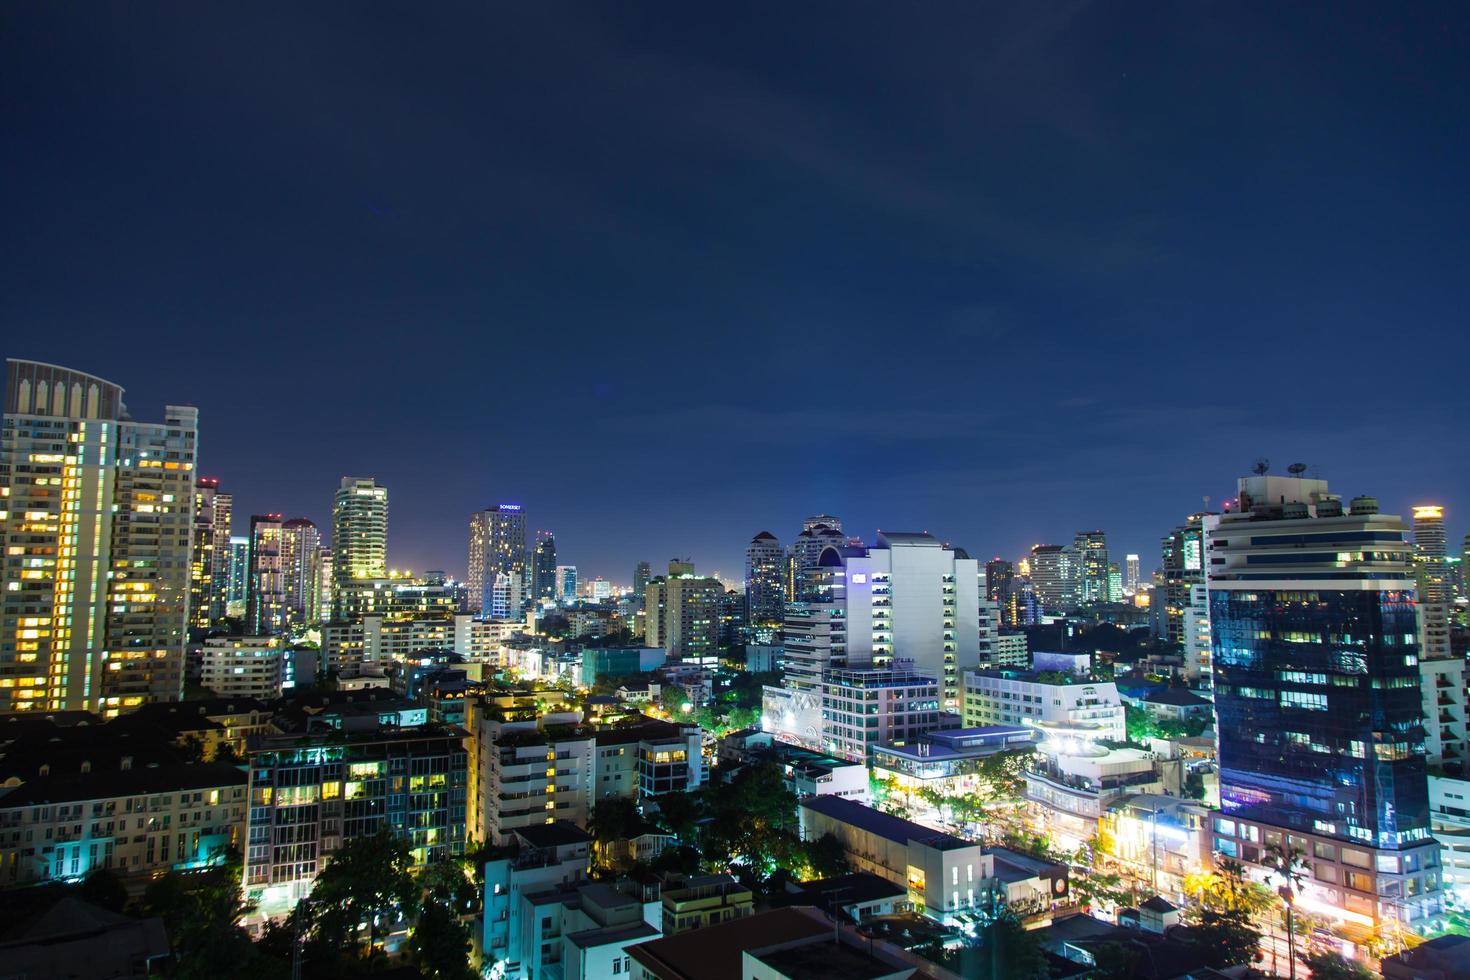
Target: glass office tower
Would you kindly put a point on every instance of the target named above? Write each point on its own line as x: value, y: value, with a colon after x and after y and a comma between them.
x: 1315, y: 658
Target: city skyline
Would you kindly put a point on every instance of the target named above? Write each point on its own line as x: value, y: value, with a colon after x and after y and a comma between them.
x: 1102, y: 225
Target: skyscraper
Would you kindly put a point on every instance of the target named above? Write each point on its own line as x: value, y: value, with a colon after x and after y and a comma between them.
x: 817, y: 535
x: 566, y: 583
x: 97, y: 528
x: 1053, y: 574
x: 301, y: 568
x: 908, y: 596
x: 359, y: 530
x: 1183, y: 566
x: 224, y: 514
x: 1130, y: 575
x: 543, y: 568
x: 203, y: 558
x: 1432, y: 581
x: 497, y: 544
x: 237, y: 593
x: 765, y: 585
x: 682, y: 613
x: 641, y: 574
x: 1317, y: 696
x: 1091, y: 567
x: 266, y: 602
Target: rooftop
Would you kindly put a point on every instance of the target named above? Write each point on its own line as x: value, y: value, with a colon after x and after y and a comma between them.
x: 824, y: 960
x: 883, y: 824
x: 557, y: 834
x: 850, y: 889
x: 714, y: 952
x: 1178, y: 697
x: 107, y: 784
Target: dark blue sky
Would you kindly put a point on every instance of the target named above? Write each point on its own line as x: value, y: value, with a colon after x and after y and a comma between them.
x: 671, y: 274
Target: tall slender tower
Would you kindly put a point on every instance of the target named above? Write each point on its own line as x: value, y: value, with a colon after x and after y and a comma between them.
x: 224, y: 512
x: 765, y: 580
x: 301, y: 556
x: 543, y: 567
x: 359, y: 534
x: 266, y: 602
x: 203, y: 559
x: 497, y: 545
x: 1091, y: 567
x: 97, y: 522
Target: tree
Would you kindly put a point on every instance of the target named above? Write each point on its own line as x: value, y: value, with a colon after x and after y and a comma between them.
x: 366, y: 881
x: 827, y: 857
x: 678, y: 813
x: 1287, y: 866
x: 1226, y: 937
x: 1004, y: 950
x: 450, y: 882
x: 1116, y: 961
x: 1332, y: 966
x: 441, y: 944
x: 202, y: 914
x: 225, y: 753
x: 673, y: 698
x: 103, y: 889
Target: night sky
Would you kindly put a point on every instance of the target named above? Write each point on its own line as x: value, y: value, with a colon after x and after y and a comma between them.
x: 668, y: 275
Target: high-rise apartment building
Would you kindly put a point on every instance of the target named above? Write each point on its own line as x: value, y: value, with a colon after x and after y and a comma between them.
x: 1000, y: 583
x: 497, y: 545
x: 683, y: 613
x: 908, y: 596
x: 817, y: 535
x: 266, y: 599
x: 237, y: 592
x: 566, y: 584
x: 204, y: 558
x: 1054, y: 576
x: 642, y: 572
x: 224, y: 516
x: 359, y: 534
x: 1315, y: 654
x: 765, y: 585
x: 97, y: 517
x: 1091, y: 567
x: 543, y: 568
x: 1130, y: 575
x: 301, y: 556
x: 1183, y: 566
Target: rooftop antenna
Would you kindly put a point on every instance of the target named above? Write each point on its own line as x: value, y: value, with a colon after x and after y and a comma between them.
x: 1297, y: 469
x: 1262, y: 467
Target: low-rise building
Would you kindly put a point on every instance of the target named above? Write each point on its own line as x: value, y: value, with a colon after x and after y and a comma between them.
x: 946, y: 876
x: 600, y: 663
x: 1160, y: 840
x: 351, y: 769
x: 243, y: 666
x: 694, y: 902
x: 1176, y: 704
x: 865, y: 708
x: 948, y: 762
x: 131, y: 821
x: 582, y: 931
x: 1016, y: 697
x: 535, y: 859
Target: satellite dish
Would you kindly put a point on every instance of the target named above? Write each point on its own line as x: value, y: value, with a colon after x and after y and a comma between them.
x: 1297, y: 469
x: 1263, y: 465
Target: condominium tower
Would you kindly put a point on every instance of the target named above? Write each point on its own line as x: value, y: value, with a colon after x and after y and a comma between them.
x: 97, y: 521
x: 497, y: 545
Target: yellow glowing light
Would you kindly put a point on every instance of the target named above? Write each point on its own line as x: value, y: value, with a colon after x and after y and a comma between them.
x: 1428, y: 513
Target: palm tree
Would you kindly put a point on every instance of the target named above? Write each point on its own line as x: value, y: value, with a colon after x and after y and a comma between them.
x: 1288, y: 867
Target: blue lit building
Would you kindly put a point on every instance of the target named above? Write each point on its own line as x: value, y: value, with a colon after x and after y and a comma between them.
x: 1315, y: 660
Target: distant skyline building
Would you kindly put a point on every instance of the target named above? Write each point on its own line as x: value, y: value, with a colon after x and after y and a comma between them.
x: 203, y: 558
x: 682, y: 613
x: 1053, y: 576
x: 765, y: 586
x: 301, y: 567
x: 543, y: 568
x: 266, y: 601
x: 817, y: 534
x: 1091, y: 567
x: 566, y: 583
x: 237, y: 593
x: 98, y: 523
x: 642, y: 572
x: 1130, y: 575
x: 359, y: 533
x: 1317, y: 692
x: 1183, y: 566
x: 497, y: 544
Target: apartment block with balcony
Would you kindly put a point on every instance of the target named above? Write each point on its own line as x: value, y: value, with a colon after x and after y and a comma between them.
x: 131, y: 821
x: 1045, y: 699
